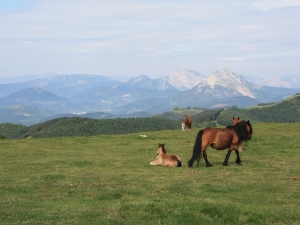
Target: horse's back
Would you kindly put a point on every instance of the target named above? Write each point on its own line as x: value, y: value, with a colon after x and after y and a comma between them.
x: 217, y: 138
x: 171, y: 161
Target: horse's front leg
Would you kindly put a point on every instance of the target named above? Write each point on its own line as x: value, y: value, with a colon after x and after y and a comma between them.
x: 238, y: 159
x: 156, y: 162
x: 225, y: 163
x: 206, y: 160
x: 239, y: 146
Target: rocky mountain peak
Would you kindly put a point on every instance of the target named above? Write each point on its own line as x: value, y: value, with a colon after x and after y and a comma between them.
x: 184, y: 79
x: 227, y: 79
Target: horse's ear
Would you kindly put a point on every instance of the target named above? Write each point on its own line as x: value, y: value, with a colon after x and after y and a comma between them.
x: 238, y: 118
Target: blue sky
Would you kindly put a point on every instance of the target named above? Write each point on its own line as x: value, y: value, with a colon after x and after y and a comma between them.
x: 127, y: 37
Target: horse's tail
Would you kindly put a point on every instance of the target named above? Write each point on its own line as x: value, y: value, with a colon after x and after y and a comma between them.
x: 197, y: 151
x: 179, y: 164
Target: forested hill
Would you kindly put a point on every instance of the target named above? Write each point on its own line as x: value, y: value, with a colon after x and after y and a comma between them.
x: 286, y: 111
x: 77, y: 126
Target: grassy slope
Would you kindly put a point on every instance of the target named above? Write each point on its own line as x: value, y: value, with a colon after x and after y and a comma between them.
x: 108, y: 180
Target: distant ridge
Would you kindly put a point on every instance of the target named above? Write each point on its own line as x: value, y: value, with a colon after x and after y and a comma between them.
x: 79, y: 94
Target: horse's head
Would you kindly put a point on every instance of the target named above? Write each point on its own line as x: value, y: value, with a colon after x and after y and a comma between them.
x: 235, y: 120
x: 185, y: 118
x: 161, y: 149
x: 243, y: 130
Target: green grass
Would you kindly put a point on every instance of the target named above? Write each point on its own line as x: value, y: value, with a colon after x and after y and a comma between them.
x: 108, y: 180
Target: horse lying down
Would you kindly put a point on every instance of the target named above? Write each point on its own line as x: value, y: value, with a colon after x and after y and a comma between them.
x: 164, y: 159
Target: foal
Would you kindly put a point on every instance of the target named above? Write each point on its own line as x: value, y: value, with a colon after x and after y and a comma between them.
x: 164, y: 159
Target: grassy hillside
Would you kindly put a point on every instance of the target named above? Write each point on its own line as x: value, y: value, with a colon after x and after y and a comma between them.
x: 107, y: 179
x: 286, y: 111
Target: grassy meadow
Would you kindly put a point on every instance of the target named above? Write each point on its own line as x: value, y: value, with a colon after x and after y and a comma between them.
x: 108, y: 180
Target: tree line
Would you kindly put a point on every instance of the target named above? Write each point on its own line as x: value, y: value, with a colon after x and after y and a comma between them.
x: 80, y: 126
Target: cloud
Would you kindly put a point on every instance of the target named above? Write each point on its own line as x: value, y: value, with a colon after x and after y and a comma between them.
x: 275, y: 4
x: 133, y: 37
x: 233, y: 59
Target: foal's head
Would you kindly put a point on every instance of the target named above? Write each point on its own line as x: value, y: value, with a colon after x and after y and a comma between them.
x: 235, y: 120
x: 161, y: 149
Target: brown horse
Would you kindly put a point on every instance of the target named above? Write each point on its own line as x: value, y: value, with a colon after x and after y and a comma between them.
x: 234, y: 122
x: 220, y: 139
x: 164, y: 159
x: 188, y: 121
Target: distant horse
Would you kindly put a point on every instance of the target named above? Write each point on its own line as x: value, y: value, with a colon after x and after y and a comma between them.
x: 234, y: 122
x: 188, y: 121
x: 164, y: 159
x: 183, y: 126
x: 220, y: 139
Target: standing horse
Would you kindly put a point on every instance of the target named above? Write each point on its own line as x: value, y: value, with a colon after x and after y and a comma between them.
x: 234, y: 122
x: 220, y: 139
x: 188, y: 121
x: 164, y: 159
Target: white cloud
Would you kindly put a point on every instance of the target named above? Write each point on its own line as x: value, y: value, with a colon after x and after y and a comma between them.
x: 233, y: 59
x: 275, y: 4
x: 136, y: 37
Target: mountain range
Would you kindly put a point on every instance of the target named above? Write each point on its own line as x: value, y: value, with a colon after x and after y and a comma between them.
x: 51, y: 95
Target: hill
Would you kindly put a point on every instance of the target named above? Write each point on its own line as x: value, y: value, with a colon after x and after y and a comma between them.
x: 286, y: 111
x: 78, y: 126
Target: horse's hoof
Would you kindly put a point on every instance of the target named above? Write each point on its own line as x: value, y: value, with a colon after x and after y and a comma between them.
x: 225, y: 164
x: 238, y: 162
x: 209, y: 165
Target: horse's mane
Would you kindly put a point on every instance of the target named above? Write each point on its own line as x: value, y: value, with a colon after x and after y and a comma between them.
x: 241, y: 130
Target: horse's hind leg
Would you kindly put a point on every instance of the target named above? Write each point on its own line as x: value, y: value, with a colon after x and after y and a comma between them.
x: 206, y: 160
x: 238, y: 159
x: 225, y: 163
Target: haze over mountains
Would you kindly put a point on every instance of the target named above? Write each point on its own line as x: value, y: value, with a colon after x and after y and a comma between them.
x: 33, y: 100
